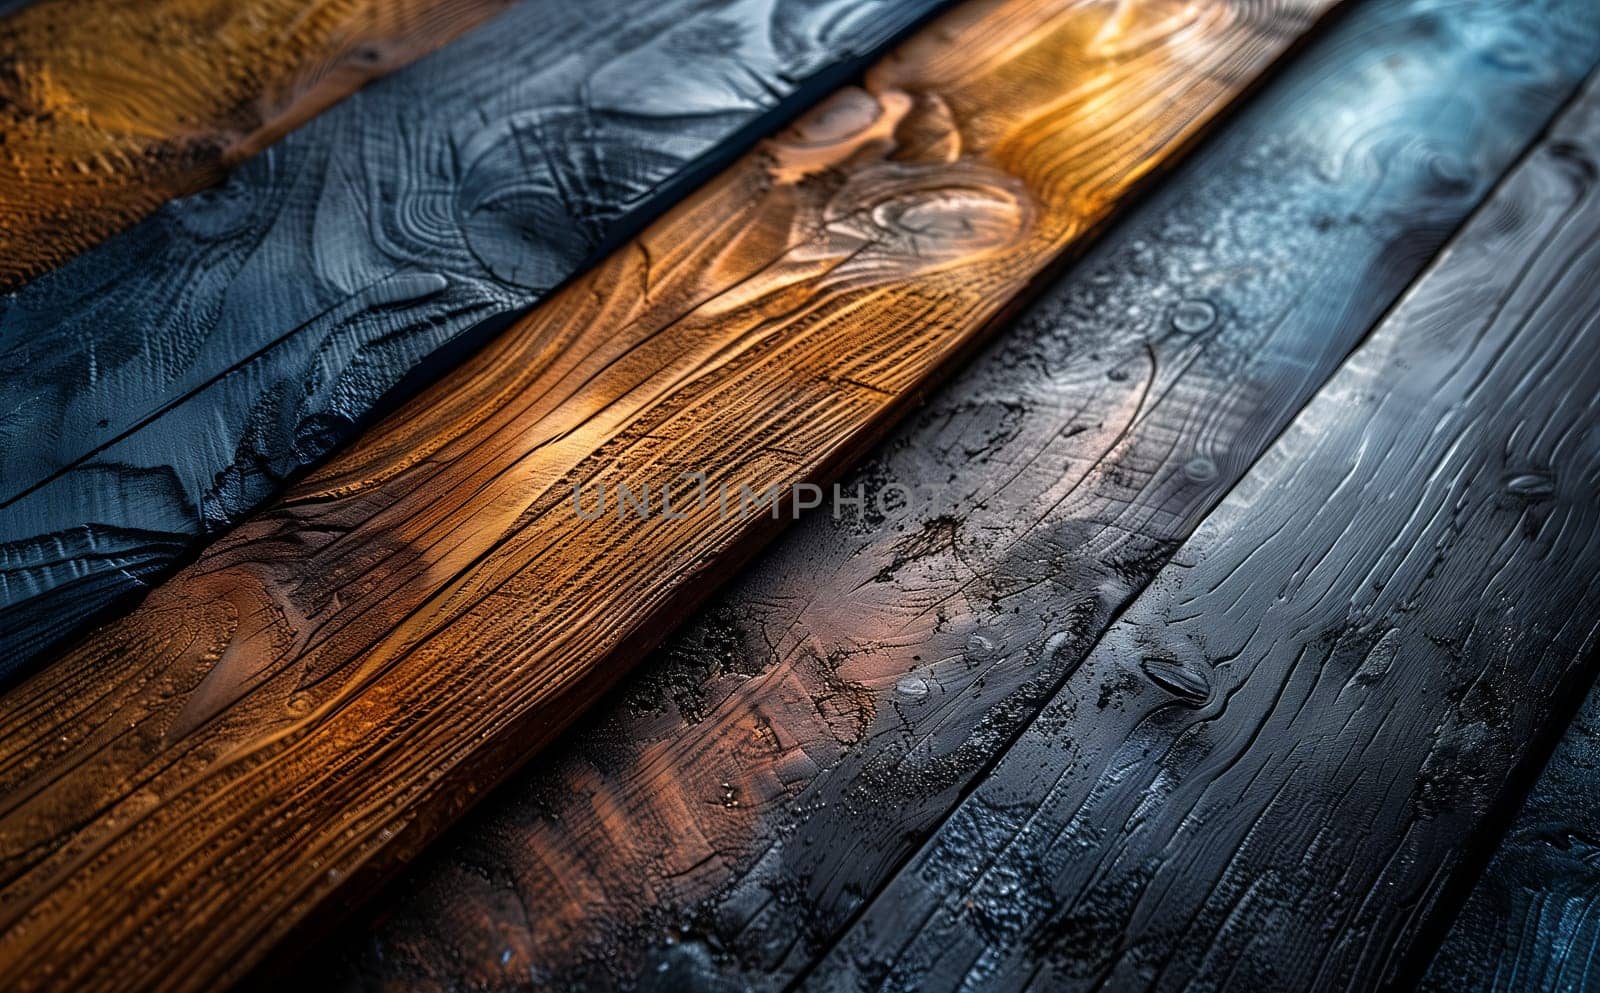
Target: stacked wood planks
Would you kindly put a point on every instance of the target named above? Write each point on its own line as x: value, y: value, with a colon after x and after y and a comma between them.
x: 110, y: 109
x: 328, y: 684
x: 1218, y: 619
x: 164, y: 384
x: 867, y: 674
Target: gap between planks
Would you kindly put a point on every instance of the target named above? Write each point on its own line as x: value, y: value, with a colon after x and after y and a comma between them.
x: 870, y: 671
x: 166, y: 383
x: 109, y: 109
x: 1316, y: 705
x: 325, y: 687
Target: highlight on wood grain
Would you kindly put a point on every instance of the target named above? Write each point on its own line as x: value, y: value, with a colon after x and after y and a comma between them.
x: 1285, y: 748
x: 1532, y: 919
x: 108, y: 109
x: 718, y: 822
x: 329, y: 684
x: 161, y: 386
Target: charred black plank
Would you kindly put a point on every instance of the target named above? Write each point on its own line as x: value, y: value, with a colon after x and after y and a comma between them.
x: 163, y: 384
x: 722, y: 819
x: 1373, y: 629
x: 1532, y: 923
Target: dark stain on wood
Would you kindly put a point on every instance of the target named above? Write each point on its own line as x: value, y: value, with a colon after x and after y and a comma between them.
x: 1531, y: 924
x: 1388, y: 607
x: 324, y: 688
x: 161, y: 386
x: 719, y: 821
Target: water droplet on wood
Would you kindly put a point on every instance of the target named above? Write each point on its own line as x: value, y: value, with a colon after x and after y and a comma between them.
x: 981, y: 647
x: 1188, y: 686
x: 1194, y: 317
x: 1530, y: 485
x: 912, y: 689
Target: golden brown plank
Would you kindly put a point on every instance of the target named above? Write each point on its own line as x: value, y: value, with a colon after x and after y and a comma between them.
x: 323, y: 689
x: 107, y: 108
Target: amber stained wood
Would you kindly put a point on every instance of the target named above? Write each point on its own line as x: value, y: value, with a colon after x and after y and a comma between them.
x: 329, y: 684
x: 108, y: 109
x: 163, y: 385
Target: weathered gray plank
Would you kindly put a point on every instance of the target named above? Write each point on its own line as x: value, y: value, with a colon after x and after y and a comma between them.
x: 1270, y: 767
x: 724, y: 818
x: 161, y: 385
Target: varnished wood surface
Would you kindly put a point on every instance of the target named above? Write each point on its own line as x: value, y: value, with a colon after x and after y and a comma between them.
x: 161, y: 386
x: 1532, y: 923
x: 108, y: 109
x: 328, y: 684
x: 1274, y: 764
x: 720, y: 820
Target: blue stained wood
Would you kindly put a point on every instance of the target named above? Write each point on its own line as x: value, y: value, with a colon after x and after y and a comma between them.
x: 1384, y: 615
x: 718, y: 825
x: 160, y: 386
x: 1532, y: 922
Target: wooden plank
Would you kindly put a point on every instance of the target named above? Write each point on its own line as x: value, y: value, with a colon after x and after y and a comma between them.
x: 325, y: 686
x: 109, y: 109
x: 163, y: 385
x: 868, y: 671
x: 1532, y: 923
x: 1273, y: 764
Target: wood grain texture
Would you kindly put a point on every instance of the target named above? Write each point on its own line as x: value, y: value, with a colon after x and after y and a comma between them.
x: 717, y: 823
x: 1530, y: 924
x: 158, y: 388
x: 109, y: 109
x: 1273, y: 764
x: 330, y: 682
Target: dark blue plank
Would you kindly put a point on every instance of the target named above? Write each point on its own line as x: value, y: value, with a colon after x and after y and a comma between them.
x: 1271, y: 771
x: 1532, y: 922
x: 160, y: 386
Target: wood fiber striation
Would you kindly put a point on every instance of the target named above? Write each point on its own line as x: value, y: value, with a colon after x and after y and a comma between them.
x: 109, y: 109
x: 718, y: 822
x: 1532, y: 922
x: 326, y: 686
x: 1384, y: 615
x: 161, y: 386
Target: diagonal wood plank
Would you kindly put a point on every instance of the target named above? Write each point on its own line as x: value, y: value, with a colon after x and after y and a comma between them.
x: 1276, y: 761
x: 161, y: 386
x: 324, y: 687
x: 109, y: 109
x: 717, y: 823
x: 1532, y: 923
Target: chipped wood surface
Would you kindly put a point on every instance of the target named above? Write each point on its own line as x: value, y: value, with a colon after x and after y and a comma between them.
x: 108, y: 109
x: 1274, y: 764
x: 718, y: 822
x: 163, y: 385
x: 331, y: 682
